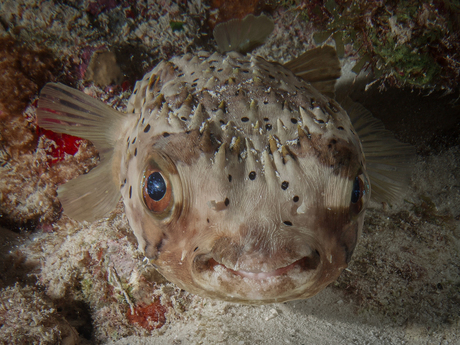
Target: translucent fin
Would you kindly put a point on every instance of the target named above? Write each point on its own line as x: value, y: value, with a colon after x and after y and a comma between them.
x: 63, y: 109
x: 320, y: 67
x: 242, y: 35
x: 388, y: 160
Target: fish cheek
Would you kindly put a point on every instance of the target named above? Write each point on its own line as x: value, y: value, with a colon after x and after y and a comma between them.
x: 340, y: 235
x: 158, y: 205
x: 149, y: 234
x: 348, y: 239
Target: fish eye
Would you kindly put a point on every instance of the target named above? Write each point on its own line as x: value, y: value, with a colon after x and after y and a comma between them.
x: 156, y: 186
x: 156, y: 190
x: 357, y: 191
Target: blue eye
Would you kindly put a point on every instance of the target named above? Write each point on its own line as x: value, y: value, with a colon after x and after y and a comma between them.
x: 157, y: 190
x: 156, y: 186
x: 357, y: 191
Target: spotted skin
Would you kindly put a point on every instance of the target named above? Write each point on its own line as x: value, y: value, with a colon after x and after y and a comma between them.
x: 261, y: 168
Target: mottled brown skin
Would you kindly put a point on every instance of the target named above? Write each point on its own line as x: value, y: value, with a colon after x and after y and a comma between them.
x: 261, y: 167
x: 336, y: 232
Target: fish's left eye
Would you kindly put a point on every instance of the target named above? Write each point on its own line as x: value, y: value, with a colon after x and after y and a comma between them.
x: 156, y: 191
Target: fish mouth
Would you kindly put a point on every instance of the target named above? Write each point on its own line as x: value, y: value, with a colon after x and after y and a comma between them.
x: 303, y: 264
x: 255, y: 284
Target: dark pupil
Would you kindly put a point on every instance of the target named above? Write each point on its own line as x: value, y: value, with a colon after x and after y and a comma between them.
x: 356, y: 193
x: 156, y: 186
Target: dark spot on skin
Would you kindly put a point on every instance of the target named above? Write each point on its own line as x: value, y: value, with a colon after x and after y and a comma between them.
x: 142, y: 122
x: 271, y: 77
x: 284, y: 185
x: 286, y: 222
x: 160, y: 244
x: 147, y: 128
x: 180, y: 75
x: 319, y: 121
x: 134, y: 140
x: 227, y: 201
x: 196, y: 248
x: 229, y: 178
x: 130, y: 191
x: 124, y: 181
x: 268, y: 127
x: 165, y: 134
x: 127, y: 140
x: 135, y: 152
x: 332, y: 143
x: 245, y: 119
x: 295, y: 198
x: 194, y: 84
x: 252, y: 175
x: 293, y: 120
x: 244, y: 71
x: 266, y: 102
x: 266, y: 118
x: 195, y: 80
x: 222, y: 122
x: 192, y: 73
x: 207, y: 220
x: 183, y: 118
x: 220, y: 70
x: 340, y: 128
x: 212, y: 68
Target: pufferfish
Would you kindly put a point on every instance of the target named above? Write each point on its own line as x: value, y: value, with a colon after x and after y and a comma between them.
x: 242, y: 179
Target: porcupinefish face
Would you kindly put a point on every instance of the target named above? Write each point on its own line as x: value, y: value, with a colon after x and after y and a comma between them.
x: 240, y: 180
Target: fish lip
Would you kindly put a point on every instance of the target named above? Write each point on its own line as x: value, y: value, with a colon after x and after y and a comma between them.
x: 306, y: 263
x: 302, y: 263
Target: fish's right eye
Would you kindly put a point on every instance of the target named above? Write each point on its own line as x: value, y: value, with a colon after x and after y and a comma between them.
x: 156, y: 190
x: 359, y: 193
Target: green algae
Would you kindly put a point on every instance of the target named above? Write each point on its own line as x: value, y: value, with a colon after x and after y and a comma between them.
x: 406, y: 43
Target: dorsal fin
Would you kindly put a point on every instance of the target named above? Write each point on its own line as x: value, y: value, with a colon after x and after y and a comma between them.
x: 63, y: 109
x: 242, y: 35
x: 388, y: 161
x: 320, y: 67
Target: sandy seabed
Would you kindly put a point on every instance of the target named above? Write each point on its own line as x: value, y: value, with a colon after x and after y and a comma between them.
x: 68, y: 282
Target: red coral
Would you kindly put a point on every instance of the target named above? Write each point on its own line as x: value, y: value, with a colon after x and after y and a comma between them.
x: 149, y: 317
x: 65, y: 144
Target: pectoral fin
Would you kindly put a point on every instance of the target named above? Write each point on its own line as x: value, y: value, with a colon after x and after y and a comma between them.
x: 63, y: 109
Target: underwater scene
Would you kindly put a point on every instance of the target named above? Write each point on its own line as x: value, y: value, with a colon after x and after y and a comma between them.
x: 229, y: 172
